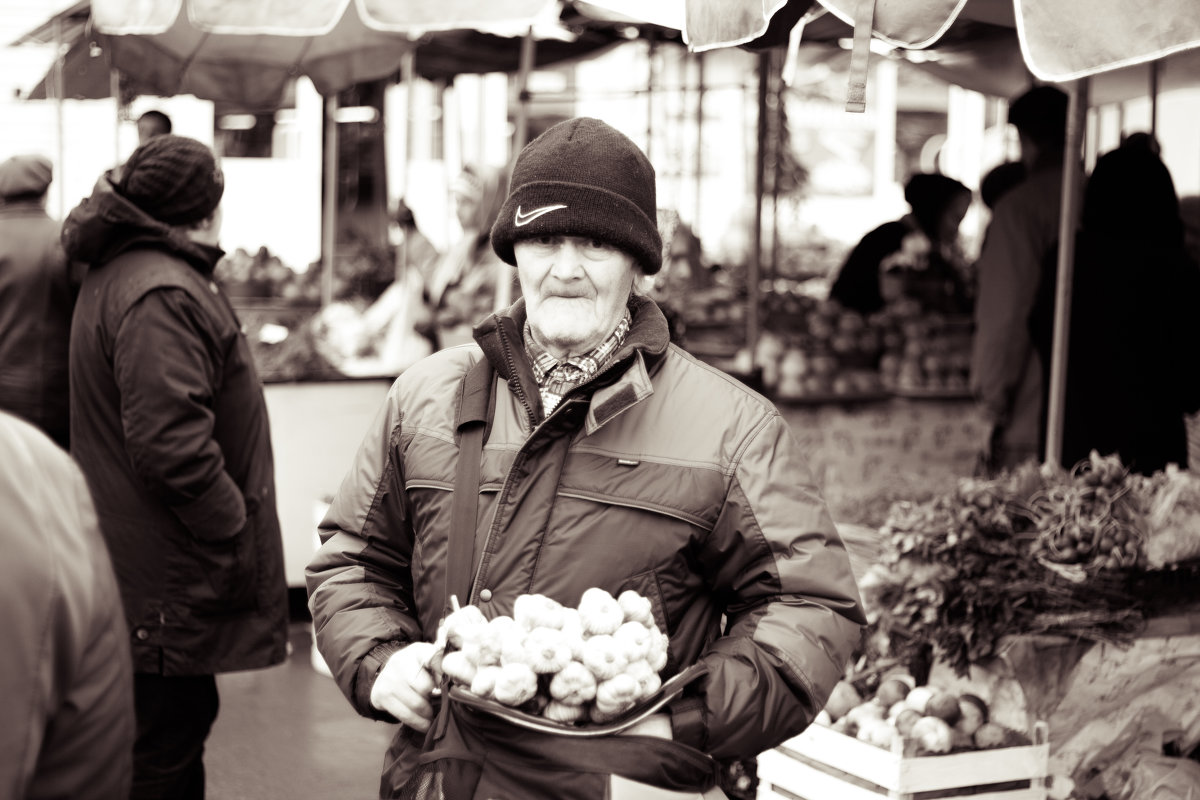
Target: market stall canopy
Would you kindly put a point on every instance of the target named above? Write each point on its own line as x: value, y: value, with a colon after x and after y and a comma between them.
x: 998, y: 47
x: 245, y: 52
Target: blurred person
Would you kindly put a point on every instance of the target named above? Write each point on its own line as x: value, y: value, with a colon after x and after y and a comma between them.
x: 624, y: 464
x: 917, y: 256
x: 170, y: 427
x: 1133, y: 359
x: 1006, y: 371
x: 411, y: 247
x: 152, y: 123
x: 65, y: 678
x: 997, y: 181
x: 37, y: 295
x: 463, y: 284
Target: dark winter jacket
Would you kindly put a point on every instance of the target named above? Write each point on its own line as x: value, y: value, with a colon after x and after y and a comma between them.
x: 37, y: 293
x: 663, y: 475
x: 65, y: 681
x: 170, y: 427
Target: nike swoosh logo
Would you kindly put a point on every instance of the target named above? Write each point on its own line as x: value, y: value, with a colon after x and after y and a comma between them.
x: 524, y: 219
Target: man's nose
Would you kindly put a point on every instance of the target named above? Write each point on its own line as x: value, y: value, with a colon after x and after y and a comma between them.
x: 567, y: 259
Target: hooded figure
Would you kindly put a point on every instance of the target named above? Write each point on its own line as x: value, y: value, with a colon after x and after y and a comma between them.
x: 169, y: 426
x: 1134, y: 343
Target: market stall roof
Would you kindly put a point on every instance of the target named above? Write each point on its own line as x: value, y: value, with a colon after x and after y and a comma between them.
x: 244, y: 52
x: 998, y: 47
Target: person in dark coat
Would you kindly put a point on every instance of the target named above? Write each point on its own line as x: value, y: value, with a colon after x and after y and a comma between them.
x: 916, y: 256
x: 37, y: 295
x: 169, y: 425
x: 66, y: 686
x: 1133, y: 360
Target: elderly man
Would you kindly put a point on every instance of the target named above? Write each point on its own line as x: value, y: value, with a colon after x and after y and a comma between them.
x: 613, y: 460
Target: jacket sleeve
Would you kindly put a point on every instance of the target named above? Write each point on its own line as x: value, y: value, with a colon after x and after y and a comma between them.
x: 1009, y: 270
x: 167, y: 360
x: 794, y: 615
x: 360, y: 580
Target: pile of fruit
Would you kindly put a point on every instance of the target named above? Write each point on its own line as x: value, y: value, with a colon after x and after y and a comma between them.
x: 916, y: 720
x: 570, y: 665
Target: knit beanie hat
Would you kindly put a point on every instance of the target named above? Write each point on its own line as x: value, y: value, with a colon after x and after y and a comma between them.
x: 582, y: 177
x: 174, y: 179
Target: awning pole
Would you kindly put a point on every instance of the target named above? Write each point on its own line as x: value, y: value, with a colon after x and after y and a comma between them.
x: 1154, y: 67
x: 329, y: 200
x: 1068, y: 223
x: 699, y: 139
x: 59, y: 91
x: 524, y: 67
x: 756, y: 252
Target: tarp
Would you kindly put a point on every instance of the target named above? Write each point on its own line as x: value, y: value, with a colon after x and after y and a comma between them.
x: 1060, y: 40
x: 244, y: 52
x: 998, y: 47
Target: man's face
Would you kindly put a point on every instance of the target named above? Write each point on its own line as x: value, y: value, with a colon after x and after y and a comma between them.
x: 575, y: 290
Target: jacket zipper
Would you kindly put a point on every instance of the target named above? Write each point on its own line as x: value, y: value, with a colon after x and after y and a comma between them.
x: 522, y: 454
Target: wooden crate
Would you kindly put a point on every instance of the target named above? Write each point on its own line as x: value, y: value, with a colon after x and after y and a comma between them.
x: 822, y: 764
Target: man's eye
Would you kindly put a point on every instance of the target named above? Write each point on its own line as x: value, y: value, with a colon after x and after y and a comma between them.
x: 595, y: 247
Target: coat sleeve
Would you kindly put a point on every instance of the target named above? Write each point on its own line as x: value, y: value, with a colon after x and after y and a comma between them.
x: 167, y: 360
x: 794, y: 615
x: 65, y: 674
x: 1009, y: 270
x: 360, y: 580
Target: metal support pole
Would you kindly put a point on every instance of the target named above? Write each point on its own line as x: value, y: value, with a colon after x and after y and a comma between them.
x: 329, y: 201
x: 699, y: 139
x: 525, y: 66
x: 1068, y: 223
x: 59, y: 92
x: 752, y: 269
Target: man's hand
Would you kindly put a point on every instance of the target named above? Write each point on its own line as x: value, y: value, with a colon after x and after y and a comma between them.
x: 404, y: 686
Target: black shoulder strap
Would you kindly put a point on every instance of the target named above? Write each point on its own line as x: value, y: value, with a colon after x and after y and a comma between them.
x: 471, y: 422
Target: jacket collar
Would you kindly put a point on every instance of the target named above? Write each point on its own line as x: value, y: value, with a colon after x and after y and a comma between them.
x: 626, y: 381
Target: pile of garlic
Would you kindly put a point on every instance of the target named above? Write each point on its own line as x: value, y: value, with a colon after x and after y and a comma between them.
x: 570, y: 665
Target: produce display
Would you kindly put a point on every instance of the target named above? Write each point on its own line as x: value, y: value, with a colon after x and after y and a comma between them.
x: 570, y: 665
x: 916, y: 720
x: 816, y: 349
x: 1036, y: 550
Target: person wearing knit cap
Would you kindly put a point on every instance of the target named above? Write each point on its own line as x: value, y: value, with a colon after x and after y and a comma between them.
x: 1006, y: 371
x: 611, y: 459
x: 37, y: 296
x: 169, y: 425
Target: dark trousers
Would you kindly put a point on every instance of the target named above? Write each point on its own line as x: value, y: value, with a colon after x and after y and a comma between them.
x: 174, y: 716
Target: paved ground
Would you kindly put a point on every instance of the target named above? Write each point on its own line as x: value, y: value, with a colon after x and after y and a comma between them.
x: 287, y: 733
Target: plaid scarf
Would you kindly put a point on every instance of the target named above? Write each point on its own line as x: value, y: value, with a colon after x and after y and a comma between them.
x: 555, y: 378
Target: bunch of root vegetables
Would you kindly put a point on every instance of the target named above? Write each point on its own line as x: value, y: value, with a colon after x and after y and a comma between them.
x: 1037, y: 550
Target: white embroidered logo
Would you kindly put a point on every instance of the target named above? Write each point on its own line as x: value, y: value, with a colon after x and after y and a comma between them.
x: 524, y: 219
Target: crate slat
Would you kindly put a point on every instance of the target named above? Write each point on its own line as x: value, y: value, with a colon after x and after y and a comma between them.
x: 822, y: 764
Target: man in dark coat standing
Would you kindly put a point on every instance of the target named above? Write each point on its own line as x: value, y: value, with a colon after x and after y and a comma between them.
x: 37, y: 293
x: 170, y: 427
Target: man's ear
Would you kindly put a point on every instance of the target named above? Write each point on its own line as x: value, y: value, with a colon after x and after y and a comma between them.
x: 205, y: 225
